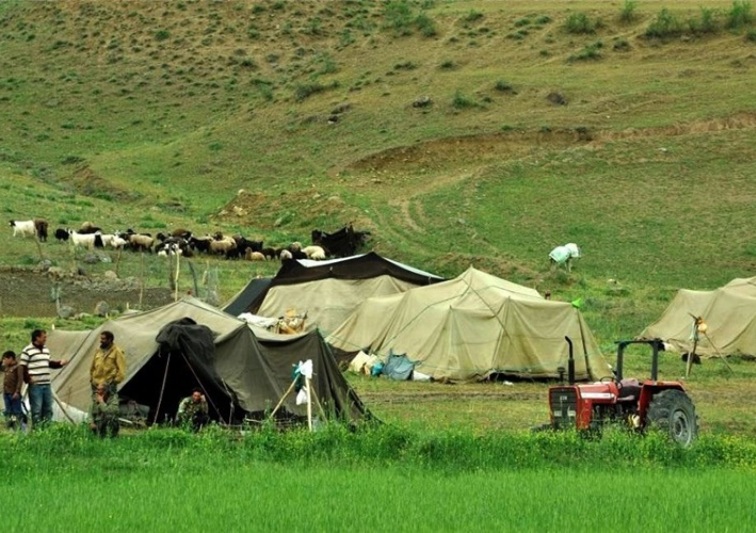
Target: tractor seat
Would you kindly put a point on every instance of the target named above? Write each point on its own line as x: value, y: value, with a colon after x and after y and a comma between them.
x: 629, y: 390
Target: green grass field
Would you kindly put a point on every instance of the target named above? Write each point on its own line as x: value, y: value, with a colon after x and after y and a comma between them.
x: 377, y: 480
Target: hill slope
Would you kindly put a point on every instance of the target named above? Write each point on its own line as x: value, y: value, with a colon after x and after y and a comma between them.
x: 544, y: 124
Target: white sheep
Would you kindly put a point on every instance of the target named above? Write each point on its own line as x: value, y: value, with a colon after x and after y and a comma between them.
x: 314, y: 252
x: 24, y: 228
x: 82, y: 240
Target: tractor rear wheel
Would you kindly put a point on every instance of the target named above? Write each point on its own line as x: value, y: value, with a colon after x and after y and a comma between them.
x: 672, y: 412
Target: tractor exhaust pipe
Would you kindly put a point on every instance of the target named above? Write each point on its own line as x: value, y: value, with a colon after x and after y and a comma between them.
x: 570, y: 362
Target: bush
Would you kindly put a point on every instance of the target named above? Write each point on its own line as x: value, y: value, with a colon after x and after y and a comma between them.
x: 627, y: 13
x: 504, y: 86
x: 473, y: 16
x: 398, y: 16
x: 707, y: 23
x: 426, y: 25
x: 162, y: 35
x: 580, y: 23
x: 460, y: 101
x: 621, y: 45
x: 740, y: 15
x: 590, y: 52
x: 664, y: 25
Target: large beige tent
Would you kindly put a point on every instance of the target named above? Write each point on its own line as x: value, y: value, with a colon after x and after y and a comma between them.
x: 729, y: 313
x: 471, y: 327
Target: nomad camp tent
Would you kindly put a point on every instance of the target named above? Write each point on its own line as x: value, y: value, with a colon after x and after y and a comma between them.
x: 173, y: 349
x: 729, y: 313
x: 327, y: 291
x: 472, y: 327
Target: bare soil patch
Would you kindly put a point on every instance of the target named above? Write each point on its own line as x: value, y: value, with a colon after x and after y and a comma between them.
x: 28, y: 293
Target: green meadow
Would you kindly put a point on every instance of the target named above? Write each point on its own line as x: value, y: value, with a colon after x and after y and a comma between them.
x: 379, y: 479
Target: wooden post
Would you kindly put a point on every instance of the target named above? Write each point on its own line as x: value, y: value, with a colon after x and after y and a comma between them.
x: 309, y: 403
x: 39, y: 246
x: 141, y: 281
x: 176, y: 279
x: 118, y: 260
x: 691, y: 355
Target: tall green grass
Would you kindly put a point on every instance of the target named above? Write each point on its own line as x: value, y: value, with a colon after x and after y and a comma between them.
x: 333, y: 479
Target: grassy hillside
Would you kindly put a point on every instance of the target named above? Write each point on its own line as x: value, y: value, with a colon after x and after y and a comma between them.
x: 625, y: 127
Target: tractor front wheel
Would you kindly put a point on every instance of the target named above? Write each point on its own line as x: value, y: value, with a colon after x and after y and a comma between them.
x: 672, y: 412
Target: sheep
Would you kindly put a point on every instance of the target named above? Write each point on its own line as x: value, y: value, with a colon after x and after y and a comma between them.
x: 250, y: 255
x: 269, y: 253
x: 169, y: 248
x: 200, y: 244
x: 61, y: 234
x: 242, y: 244
x: 40, y: 225
x: 285, y: 255
x: 141, y: 242
x: 82, y: 240
x: 174, y: 246
x: 225, y: 246
x: 109, y: 239
x: 181, y: 233
x: 24, y: 228
x: 88, y: 227
x: 316, y: 253
x: 295, y: 249
x: 117, y: 242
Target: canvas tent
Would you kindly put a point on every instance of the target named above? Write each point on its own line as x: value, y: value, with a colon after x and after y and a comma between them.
x: 729, y: 313
x: 328, y: 291
x: 471, y: 327
x: 243, y: 372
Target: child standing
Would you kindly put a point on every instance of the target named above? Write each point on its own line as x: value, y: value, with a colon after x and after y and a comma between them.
x: 14, y: 380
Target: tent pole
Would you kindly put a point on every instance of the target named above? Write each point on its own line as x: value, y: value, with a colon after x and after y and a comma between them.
x: 722, y: 357
x: 283, y: 398
x: 60, y: 405
x: 162, y: 387
x: 309, y: 404
x: 320, y: 406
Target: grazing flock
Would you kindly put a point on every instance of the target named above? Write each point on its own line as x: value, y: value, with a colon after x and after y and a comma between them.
x: 342, y: 243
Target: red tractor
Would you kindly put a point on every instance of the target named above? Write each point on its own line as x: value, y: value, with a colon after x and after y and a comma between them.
x: 641, y: 405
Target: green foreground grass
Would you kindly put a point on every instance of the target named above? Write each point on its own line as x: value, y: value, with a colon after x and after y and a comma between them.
x: 378, y: 479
